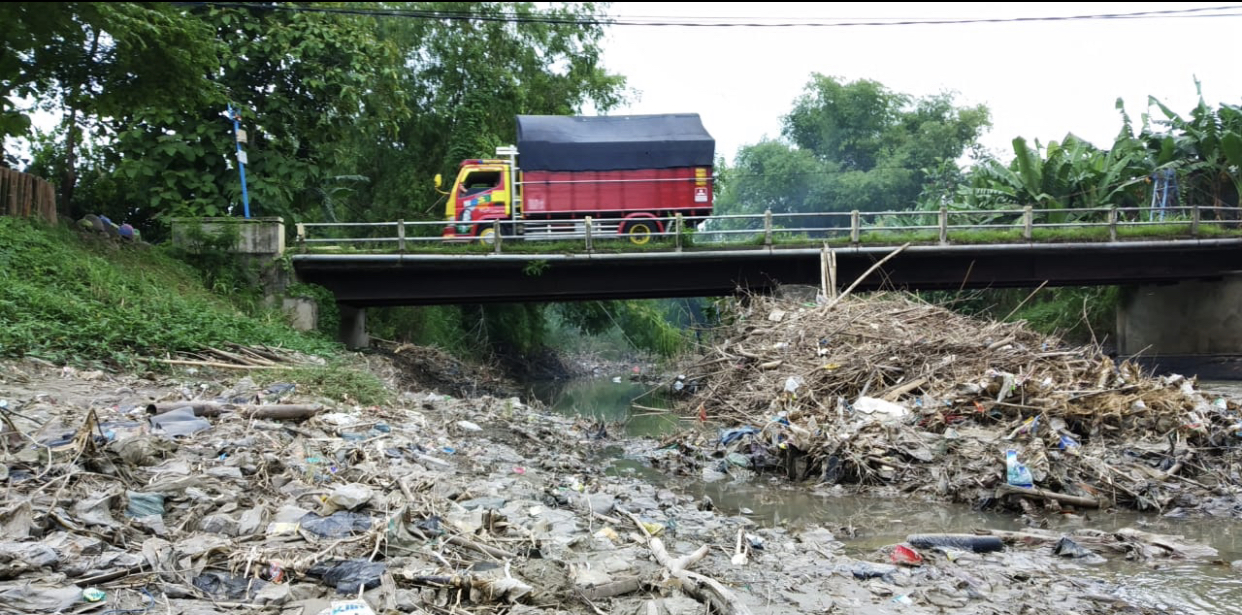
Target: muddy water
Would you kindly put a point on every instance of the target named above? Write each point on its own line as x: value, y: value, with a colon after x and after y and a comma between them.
x: 866, y: 524
x: 610, y: 401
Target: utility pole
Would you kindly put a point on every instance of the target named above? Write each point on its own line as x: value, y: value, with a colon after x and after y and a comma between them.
x: 239, y: 136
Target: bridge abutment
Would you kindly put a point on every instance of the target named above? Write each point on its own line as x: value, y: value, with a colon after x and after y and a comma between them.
x: 261, y: 243
x: 353, y: 330
x: 1181, y: 319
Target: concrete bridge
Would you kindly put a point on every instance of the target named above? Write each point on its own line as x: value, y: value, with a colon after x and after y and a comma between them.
x: 1183, y: 277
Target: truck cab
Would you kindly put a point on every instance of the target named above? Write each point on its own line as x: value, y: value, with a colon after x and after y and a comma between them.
x: 482, y: 192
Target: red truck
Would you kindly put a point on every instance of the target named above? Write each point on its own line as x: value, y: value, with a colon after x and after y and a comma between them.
x: 624, y: 172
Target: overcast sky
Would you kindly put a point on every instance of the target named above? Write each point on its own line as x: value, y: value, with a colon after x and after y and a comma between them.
x: 1040, y: 80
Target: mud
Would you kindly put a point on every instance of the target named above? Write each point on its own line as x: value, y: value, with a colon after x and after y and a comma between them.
x: 436, y: 504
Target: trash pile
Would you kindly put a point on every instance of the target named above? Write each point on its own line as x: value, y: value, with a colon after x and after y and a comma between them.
x: 886, y: 391
x: 429, y: 368
x: 202, y: 495
x: 103, y: 226
x: 197, y: 497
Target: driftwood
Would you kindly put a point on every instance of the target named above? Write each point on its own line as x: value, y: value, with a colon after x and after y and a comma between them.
x: 507, y: 588
x: 865, y: 274
x: 1125, y: 540
x: 481, y: 548
x: 896, y: 392
x: 239, y: 358
x: 700, y: 587
x: 1083, y: 501
x: 616, y: 588
x: 276, y: 412
x: 217, y: 364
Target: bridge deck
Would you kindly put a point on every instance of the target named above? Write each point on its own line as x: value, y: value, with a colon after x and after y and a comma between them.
x: 428, y: 279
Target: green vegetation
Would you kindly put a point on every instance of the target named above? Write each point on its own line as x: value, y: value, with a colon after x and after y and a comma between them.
x: 1193, y: 160
x: 348, y: 116
x: 72, y: 298
x: 475, y: 331
x: 849, y: 146
x: 339, y: 380
x: 329, y: 314
x: 1078, y: 315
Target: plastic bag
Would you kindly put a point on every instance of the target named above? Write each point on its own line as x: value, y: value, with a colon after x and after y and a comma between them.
x: 792, y: 384
x: 348, y: 576
x: 179, y: 422
x: 350, y: 496
x: 144, y: 504
x: 878, y: 408
x: 337, y: 525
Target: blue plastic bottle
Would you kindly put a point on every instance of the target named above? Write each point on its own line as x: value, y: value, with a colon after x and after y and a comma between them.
x: 1016, y: 473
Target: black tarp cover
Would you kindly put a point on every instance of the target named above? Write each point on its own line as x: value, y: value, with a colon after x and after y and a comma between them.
x: 613, y: 143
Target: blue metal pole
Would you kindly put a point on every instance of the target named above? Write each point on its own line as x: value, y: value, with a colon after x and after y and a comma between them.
x: 241, y: 160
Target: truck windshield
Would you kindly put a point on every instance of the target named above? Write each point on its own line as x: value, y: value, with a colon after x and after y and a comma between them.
x: 480, y: 181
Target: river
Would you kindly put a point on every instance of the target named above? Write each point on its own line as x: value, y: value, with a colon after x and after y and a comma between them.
x: 865, y: 524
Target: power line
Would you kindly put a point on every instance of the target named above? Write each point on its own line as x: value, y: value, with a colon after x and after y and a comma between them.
x: 719, y: 22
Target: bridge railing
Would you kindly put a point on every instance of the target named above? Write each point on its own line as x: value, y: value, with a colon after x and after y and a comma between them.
x: 1015, y: 225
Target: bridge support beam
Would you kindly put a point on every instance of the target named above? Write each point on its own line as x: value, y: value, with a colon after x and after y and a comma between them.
x: 1181, y: 319
x: 353, y: 329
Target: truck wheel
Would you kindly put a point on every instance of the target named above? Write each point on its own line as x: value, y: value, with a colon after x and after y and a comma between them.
x: 640, y: 231
x: 487, y: 236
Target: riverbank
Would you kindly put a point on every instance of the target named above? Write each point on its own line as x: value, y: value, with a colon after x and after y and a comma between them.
x: 235, y: 497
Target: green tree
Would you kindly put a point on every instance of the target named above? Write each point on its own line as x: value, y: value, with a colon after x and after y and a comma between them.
x: 96, y: 62
x: 305, y: 83
x: 467, y: 81
x: 851, y: 146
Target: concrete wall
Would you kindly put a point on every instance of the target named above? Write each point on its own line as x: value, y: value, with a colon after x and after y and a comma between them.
x: 260, y: 245
x: 1187, y: 318
x: 303, y: 313
x: 258, y: 236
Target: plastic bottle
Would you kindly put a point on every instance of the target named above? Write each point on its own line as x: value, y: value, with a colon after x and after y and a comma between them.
x: 1016, y: 473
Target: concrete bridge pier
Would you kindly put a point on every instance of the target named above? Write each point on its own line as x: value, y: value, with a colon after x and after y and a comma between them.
x: 1199, y: 318
x: 353, y: 329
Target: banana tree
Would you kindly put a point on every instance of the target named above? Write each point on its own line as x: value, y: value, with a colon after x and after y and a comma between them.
x: 1210, y: 143
x: 1071, y: 174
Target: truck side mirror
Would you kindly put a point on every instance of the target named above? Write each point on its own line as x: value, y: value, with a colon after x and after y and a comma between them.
x: 439, y: 181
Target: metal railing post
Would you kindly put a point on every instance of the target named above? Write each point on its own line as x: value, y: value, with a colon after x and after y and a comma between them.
x: 1028, y: 221
x: 496, y: 236
x: 401, y: 235
x: 587, y: 225
x: 1112, y: 224
x: 767, y: 227
x: 678, y: 225
x: 944, y: 225
x: 1194, y: 220
x: 855, y: 226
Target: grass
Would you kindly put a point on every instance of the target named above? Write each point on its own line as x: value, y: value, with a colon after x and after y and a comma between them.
x: 798, y: 239
x: 73, y: 298
x: 338, y: 381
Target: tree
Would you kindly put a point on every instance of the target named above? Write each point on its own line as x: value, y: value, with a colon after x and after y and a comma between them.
x: 851, y: 146
x: 468, y: 80
x: 305, y: 83
x: 95, y: 62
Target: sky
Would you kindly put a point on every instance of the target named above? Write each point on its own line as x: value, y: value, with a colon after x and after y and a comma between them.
x: 1040, y: 80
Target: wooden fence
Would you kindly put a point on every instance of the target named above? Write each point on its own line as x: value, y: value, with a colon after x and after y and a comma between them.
x: 25, y: 195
